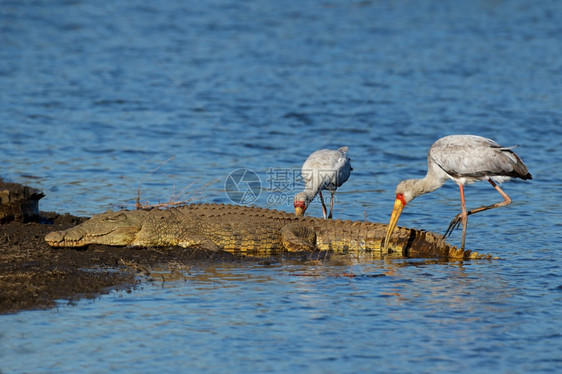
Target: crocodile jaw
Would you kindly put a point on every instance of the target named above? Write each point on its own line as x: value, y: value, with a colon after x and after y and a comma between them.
x: 74, y: 238
x: 110, y: 228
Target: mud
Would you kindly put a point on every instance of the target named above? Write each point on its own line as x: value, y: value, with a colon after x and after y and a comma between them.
x: 36, y: 276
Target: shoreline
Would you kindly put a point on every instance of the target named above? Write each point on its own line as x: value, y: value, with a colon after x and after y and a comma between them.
x: 35, y: 276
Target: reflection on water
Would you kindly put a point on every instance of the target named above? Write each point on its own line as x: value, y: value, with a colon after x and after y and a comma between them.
x: 236, y: 317
x: 101, y: 101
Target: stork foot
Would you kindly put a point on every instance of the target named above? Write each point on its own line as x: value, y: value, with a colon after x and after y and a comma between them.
x: 455, y: 223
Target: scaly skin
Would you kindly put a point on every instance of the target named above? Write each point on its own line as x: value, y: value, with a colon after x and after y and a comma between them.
x: 253, y: 231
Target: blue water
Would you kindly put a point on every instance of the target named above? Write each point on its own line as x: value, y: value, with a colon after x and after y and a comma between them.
x: 102, y: 101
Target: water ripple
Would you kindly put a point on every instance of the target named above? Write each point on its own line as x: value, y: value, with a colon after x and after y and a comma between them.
x: 103, y: 100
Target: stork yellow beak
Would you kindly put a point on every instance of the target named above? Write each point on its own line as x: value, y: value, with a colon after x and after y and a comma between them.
x: 299, y: 211
x: 396, y: 211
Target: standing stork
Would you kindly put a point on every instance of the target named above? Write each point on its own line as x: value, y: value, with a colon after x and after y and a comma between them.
x: 325, y: 169
x: 463, y: 159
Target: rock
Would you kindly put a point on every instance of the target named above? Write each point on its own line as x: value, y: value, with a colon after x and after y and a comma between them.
x: 18, y: 203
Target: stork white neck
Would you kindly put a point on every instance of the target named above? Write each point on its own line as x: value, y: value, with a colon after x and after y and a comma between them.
x: 412, y: 188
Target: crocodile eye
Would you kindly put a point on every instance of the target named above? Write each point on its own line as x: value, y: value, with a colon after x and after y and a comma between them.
x: 115, y: 217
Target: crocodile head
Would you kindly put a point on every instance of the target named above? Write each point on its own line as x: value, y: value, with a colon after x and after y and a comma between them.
x: 109, y: 228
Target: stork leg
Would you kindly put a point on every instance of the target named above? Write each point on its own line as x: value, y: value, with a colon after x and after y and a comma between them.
x: 324, y: 212
x: 464, y: 216
x: 458, y: 219
x: 331, y: 205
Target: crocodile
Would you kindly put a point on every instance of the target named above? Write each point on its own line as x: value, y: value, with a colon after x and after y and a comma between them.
x: 251, y: 231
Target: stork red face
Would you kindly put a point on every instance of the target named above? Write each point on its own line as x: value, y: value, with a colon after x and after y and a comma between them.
x: 399, y: 205
x: 300, y: 207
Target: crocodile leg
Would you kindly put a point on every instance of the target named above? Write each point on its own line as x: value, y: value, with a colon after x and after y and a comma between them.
x: 173, y: 235
x: 199, y: 242
x: 297, y: 237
